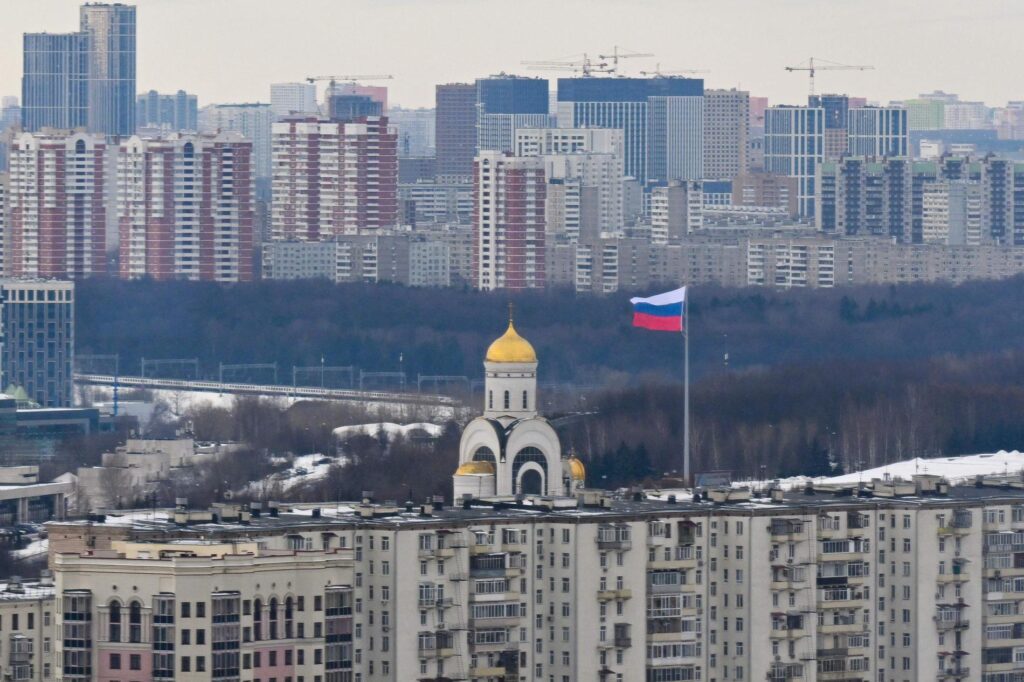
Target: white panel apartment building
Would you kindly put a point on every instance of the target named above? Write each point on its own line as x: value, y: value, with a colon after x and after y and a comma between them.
x: 186, y: 207
x: 293, y: 98
x: 508, y: 222
x: 57, y: 205
x: 333, y: 178
x: 906, y: 581
x: 585, y: 169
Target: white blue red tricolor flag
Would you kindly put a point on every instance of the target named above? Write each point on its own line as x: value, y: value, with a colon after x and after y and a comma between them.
x: 663, y: 312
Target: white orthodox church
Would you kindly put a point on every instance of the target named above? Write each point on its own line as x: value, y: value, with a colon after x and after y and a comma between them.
x: 511, y: 450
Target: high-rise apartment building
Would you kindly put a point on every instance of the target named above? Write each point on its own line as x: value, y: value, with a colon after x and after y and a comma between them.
x: 455, y: 129
x: 662, y: 119
x: 762, y: 189
x: 58, y: 205
x: 5, y: 179
x: 585, y: 170
x: 54, y: 86
x: 966, y: 116
x: 507, y: 103
x: 333, y: 178
x: 951, y: 213
x: 927, y: 112
x: 508, y: 222
x: 110, y: 34
x: 836, y: 113
x: 169, y: 113
x: 288, y: 99
x: 378, y: 93
x: 83, y: 79
x: 726, y: 128
x: 884, y: 197
x: 254, y: 121
x: 416, y: 132
x: 677, y: 210
x: 342, y: 108
x: 793, y: 146
x: 878, y: 131
x: 186, y: 208
x: 10, y: 114
x: 37, y: 339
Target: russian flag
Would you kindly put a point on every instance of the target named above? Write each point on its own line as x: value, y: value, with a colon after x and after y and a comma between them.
x: 664, y: 312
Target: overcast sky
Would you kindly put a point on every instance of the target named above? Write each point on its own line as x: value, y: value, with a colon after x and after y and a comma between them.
x: 230, y: 50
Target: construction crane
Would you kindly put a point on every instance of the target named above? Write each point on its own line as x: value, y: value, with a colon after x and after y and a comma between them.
x: 587, y: 67
x: 658, y: 73
x: 333, y: 80
x: 615, y: 56
x: 812, y: 66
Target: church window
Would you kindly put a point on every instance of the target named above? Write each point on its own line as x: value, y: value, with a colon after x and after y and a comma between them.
x: 506, y: 400
x: 525, y: 401
x: 490, y: 400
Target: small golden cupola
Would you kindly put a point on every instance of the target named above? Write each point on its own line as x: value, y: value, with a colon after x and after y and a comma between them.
x: 577, y: 471
x: 510, y: 347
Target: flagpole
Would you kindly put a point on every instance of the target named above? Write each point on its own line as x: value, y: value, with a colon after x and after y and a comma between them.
x: 686, y: 396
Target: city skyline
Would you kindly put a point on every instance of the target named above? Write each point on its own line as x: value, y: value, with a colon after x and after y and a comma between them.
x: 424, y: 46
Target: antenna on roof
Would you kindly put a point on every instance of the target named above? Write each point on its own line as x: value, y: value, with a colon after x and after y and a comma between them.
x: 511, y: 311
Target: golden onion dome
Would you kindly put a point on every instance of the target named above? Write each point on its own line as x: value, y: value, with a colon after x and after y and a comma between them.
x: 577, y: 471
x: 471, y: 468
x: 510, y: 347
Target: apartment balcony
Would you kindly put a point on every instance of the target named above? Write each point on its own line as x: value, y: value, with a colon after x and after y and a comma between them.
x: 436, y: 651
x: 623, y: 642
x: 951, y: 623
x: 614, y: 543
x: 953, y: 674
x: 787, y: 531
x: 954, y: 577
x: 436, y: 552
x: 612, y: 595
x: 838, y: 628
x: 487, y: 671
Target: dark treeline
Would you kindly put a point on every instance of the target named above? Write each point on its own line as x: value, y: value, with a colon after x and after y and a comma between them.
x: 584, y: 339
x: 815, y: 419
x: 812, y: 419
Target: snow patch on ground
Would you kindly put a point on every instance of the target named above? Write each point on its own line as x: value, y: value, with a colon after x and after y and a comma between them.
x: 958, y: 469
x: 36, y: 548
x: 180, y: 402
x: 389, y: 428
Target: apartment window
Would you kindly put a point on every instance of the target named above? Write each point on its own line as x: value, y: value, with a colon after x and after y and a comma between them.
x: 115, y: 661
x: 135, y: 662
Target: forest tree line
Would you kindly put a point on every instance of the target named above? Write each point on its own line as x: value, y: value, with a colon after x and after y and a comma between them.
x: 583, y: 339
x: 809, y: 419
